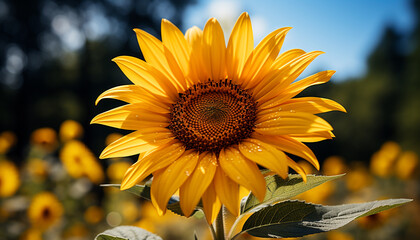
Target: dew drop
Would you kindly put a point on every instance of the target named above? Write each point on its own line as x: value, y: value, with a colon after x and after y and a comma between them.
x: 187, y: 173
x: 292, y: 111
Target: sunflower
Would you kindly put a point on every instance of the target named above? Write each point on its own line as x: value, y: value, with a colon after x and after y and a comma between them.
x: 9, y: 178
x: 79, y: 161
x: 45, y: 210
x: 206, y: 116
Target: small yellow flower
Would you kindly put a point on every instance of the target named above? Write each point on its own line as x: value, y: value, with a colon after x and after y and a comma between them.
x: 116, y: 170
x: 45, y: 210
x: 382, y: 162
x: 45, y: 138
x: 70, y: 130
x: 334, y: 165
x: 9, y: 178
x: 358, y: 178
x: 32, y: 234
x: 407, y: 165
x: 7, y: 140
x: 318, y: 194
x: 206, y: 115
x: 77, y: 231
x: 37, y: 168
x: 79, y: 161
x: 94, y: 214
x: 337, y: 235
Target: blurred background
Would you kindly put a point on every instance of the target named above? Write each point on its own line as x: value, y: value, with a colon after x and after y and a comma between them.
x: 55, y: 59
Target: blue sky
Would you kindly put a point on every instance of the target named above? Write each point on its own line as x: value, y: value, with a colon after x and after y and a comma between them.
x: 346, y: 30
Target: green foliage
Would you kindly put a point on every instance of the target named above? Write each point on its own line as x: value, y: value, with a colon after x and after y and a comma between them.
x: 297, y: 218
x: 279, y: 189
x: 127, y: 233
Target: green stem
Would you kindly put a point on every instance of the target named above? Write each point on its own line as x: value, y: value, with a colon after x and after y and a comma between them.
x: 220, y: 231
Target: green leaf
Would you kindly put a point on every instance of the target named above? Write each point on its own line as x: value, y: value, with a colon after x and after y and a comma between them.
x: 144, y: 192
x: 296, y: 218
x: 279, y: 189
x: 127, y: 233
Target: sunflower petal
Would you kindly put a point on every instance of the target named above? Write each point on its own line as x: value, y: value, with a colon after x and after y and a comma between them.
x: 286, y: 57
x: 295, y: 166
x: 291, y: 146
x: 262, y: 57
x: 131, y: 117
x: 280, y: 78
x: 265, y: 155
x: 211, y: 204
x: 175, y: 41
x: 192, y: 190
x: 135, y: 143
x: 167, y: 181
x: 156, y: 54
x: 157, y: 159
x: 194, y: 37
x: 282, y: 123
x: 313, y: 105
x: 227, y: 190
x: 240, y: 46
x: 214, y: 50
x: 313, y: 137
x: 297, y: 87
x: 144, y: 75
x: 242, y: 171
x: 135, y: 94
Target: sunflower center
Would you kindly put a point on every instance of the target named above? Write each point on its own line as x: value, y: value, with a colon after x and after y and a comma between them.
x: 212, y: 115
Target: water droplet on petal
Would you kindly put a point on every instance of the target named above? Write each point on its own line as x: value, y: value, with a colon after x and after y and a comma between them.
x: 292, y: 111
x: 187, y: 173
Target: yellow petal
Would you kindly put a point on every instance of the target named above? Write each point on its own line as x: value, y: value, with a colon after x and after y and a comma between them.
x: 155, y: 54
x: 242, y: 171
x: 279, y: 79
x: 286, y: 57
x: 291, y: 146
x: 132, y: 117
x: 227, y: 190
x: 135, y: 94
x: 311, y: 105
x: 214, y: 50
x: 240, y: 46
x: 175, y: 41
x: 192, y: 190
x: 144, y: 75
x: 313, y: 137
x: 297, y: 87
x: 167, y: 181
x: 282, y: 123
x: 157, y: 159
x: 194, y: 37
x: 297, y: 168
x: 262, y: 57
x: 265, y: 155
x: 211, y: 204
x: 136, y: 142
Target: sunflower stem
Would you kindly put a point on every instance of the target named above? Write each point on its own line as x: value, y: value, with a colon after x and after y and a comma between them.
x: 220, y: 231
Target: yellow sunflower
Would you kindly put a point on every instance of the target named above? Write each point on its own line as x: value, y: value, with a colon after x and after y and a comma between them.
x: 9, y: 178
x: 45, y: 210
x: 206, y: 116
x: 79, y: 161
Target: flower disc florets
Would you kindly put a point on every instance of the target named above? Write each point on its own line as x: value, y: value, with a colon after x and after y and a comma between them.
x: 212, y: 115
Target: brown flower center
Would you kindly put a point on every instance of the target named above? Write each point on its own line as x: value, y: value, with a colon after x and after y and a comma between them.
x: 212, y: 115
